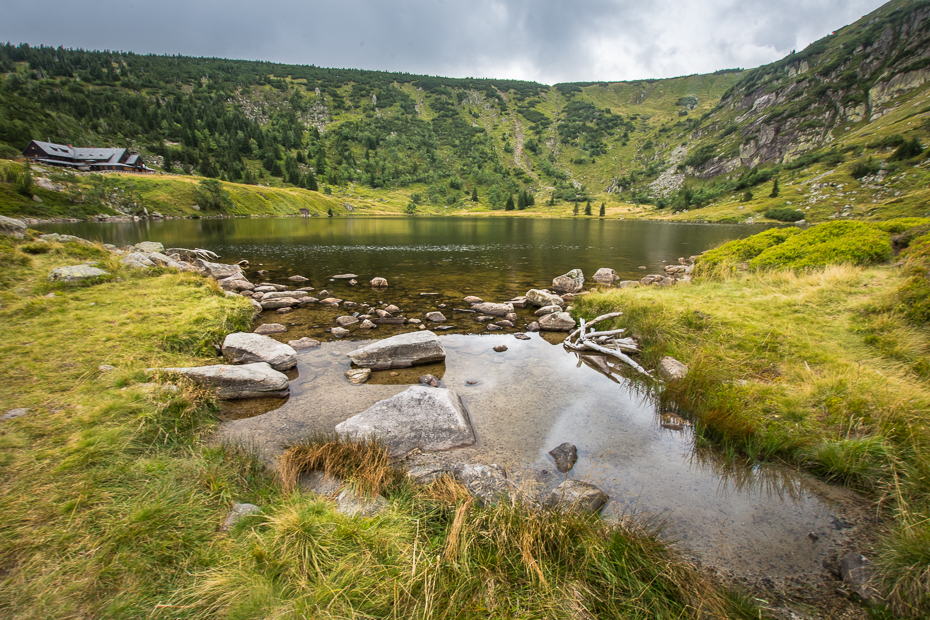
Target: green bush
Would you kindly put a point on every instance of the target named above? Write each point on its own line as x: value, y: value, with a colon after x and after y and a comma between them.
x: 784, y: 214
x: 865, y: 168
x: 832, y: 243
x: 901, y: 224
x: 910, y: 148
x: 746, y: 249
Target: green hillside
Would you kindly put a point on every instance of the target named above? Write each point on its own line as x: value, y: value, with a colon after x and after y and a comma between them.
x: 851, y: 110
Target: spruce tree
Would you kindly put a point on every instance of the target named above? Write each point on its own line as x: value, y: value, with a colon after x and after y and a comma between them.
x: 575, y: 207
x: 587, y: 208
x: 508, y: 206
x: 521, y: 200
x: 774, y: 193
x: 474, y: 194
x: 603, y: 211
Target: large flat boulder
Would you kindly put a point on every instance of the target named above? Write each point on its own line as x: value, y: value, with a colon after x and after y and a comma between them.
x: 427, y: 418
x: 493, y: 309
x: 557, y: 322
x: 257, y: 380
x: 149, y: 246
x: 76, y: 273
x: 400, y: 351
x: 244, y: 348
x: 217, y: 271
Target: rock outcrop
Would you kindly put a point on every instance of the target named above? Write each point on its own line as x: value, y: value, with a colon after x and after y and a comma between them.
x: 257, y: 380
x: 244, y: 348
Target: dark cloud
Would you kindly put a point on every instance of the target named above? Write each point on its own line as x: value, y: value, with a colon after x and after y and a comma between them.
x: 543, y: 40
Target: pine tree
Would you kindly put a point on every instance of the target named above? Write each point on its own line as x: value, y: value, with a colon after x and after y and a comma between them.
x: 587, y: 208
x: 774, y: 193
x: 508, y: 206
x: 603, y: 211
x: 575, y: 208
x: 474, y: 194
x: 521, y: 200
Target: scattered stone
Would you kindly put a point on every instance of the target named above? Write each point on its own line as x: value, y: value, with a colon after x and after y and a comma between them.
x: 379, y: 283
x: 425, y: 474
x: 521, y: 336
x: 11, y: 227
x: 298, y: 279
x: 244, y: 348
x: 345, y: 321
x: 243, y: 263
x: 471, y: 299
x: 366, y: 324
x: 353, y: 282
x: 353, y: 504
x: 394, y: 320
x: 76, y: 273
x: 512, y: 317
x: 671, y: 369
x: 303, y: 343
x: 575, y: 495
x: 392, y: 309
x: 358, y: 376
x: 238, y: 511
x: 518, y: 302
x: 382, y: 314
x: 276, y: 287
x: 533, y: 327
x: 494, y: 328
x: 14, y: 413
x: 280, y: 302
x: 430, y: 380
x: 493, y: 309
x: 217, y: 271
x: 565, y: 457
x: 606, y: 276
x: 339, y: 332
x: 319, y: 482
x: 856, y: 571
x: 332, y: 302
x: 257, y: 380
x: 50, y: 296
x: 137, y: 260
x: 557, y: 322
x: 305, y: 289
x: 500, y: 348
x: 150, y: 246
x: 548, y: 310
x: 504, y: 323
x: 571, y: 282
x: 536, y: 297
x: 414, y: 321
x: 349, y: 304
x: 106, y: 368
x: 270, y: 328
x: 430, y: 419
x: 400, y: 351
x: 484, y: 319
x: 284, y: 310
x: 284, y: 295
x: 487, y: 483
x: 435, y: 317
x: 323, y: 294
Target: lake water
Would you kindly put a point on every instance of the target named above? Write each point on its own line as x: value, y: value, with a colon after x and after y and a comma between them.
x: 747, y: 518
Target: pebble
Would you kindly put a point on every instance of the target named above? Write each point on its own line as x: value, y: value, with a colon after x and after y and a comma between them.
x: 500, y: 348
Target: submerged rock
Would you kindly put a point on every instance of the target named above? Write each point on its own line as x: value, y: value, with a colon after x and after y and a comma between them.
x: 430, y: 419
x: 258, y: 380
x: 303, y: 343
x: 565, y: 456
x: 357, y: 376
x: 270, y: 328
x: 430, y: 380
x: 379, y: 283
x: 241, y: 347
x: 400, y: 351
x: 493, y: 309
x: 856, y: 571
x: 575, y: 495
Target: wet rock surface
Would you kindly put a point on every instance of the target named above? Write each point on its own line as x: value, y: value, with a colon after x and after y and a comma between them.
x: 575, y: 495
x: 400, y: 351
x: 244, y: 348
x: 565, y: 456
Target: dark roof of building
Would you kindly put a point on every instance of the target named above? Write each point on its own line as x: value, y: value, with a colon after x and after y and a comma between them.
x: 88, y: 154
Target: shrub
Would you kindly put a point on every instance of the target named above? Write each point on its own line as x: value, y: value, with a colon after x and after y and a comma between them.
x: 832, y: 243
x: 908, y: 149
x: 784, y: 214
x: 746, y: 249
x: 864, y: 168
x: 900, y: 225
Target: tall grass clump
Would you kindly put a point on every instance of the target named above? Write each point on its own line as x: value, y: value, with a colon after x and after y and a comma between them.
x: 366, y: 464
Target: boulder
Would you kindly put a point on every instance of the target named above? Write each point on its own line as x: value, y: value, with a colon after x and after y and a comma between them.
x: 353, y: 504
x: 400, y: 351
x: 137, y: 260
x: 471, y: 299
x: 11, y: 227
x: 628, y: 284
x: 245, y: 348
x: 345, y: 321
x: 298, y: 279
x: 281, y: 302
x: 217, y: 271
x: 493, y: 309
x: 548, y: 310
x: 487, y: 483
x: 392, y: 309
x: 77, y: 273
x: 319, y: 482
x: 238, y: 511
x: 366, y: 324
x: 339, y: 332
x: 533, y: 327
x: 536, y: 297
x: 379, y: 283
x: 303, y: 343
x: 257, y: 380
x: 425, y: 474
x: 575, y: 495
x: 606, y: 276
x: 269, y: 295
x: 557, y: 322
x: 856, y: 571
x: 430, y: 419
x: 331, y: 302
x: 571, y: 282
x: 234, y: 283
x: 565, y: 457
x: 435, y: 317
x: 149, y: 246
x: 430, y: 380
x: 671, y: 369
x: 270, y: 328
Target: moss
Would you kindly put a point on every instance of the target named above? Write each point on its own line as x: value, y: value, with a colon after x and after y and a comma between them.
x: 746, y: 249
x: 833, y: 243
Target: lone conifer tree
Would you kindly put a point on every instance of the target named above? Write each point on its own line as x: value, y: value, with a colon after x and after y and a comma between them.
x: 774, y: 193
x: 575, y: 208
x: 508, y: 206
x: 474, y: 194
x: 587, y: 208
x: 603, y: 209
x: 521, y: 200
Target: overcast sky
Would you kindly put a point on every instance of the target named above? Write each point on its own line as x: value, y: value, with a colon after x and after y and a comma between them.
x: 547, y: 41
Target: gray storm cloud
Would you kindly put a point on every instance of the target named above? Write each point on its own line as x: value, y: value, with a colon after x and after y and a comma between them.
x: 548, y: 41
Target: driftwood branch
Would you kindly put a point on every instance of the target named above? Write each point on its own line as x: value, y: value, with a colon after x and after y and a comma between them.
x: 605, y: 342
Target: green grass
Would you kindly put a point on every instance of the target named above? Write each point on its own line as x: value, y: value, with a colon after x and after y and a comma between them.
x: 114, y: 490
x: 824, y: 368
